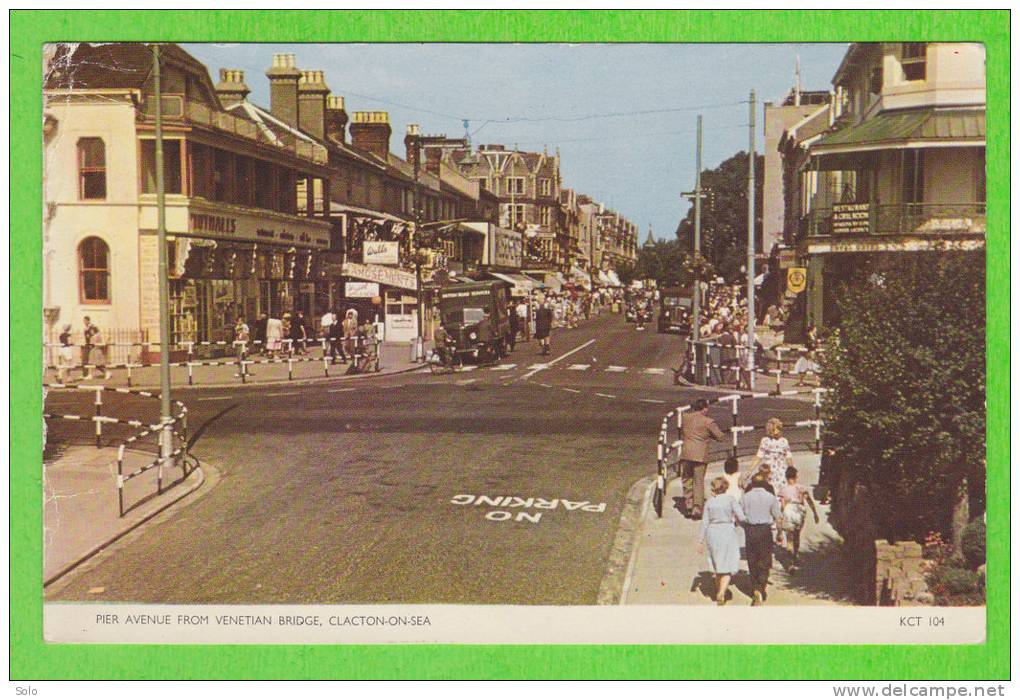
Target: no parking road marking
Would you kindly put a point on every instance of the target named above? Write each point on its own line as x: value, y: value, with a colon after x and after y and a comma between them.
x: 522, y: 516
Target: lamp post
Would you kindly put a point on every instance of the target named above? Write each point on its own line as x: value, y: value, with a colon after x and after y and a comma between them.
x: 164, y: 293
x: 419, y: 352
x: 697, y: 196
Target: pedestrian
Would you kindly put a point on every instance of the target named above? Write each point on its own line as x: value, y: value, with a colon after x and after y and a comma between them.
x: 696, y: 429
x: 794, y: 499
x: 259, y: 330
x: 522, y: 318
x: 543, y: 325
x: 299, y: 334
x: 285, y: 340
x: 727, y: 354
x: 86, y: 348
x: 97, y: 353
x: 349, y: 326
x: 761, y: 511
x: 274, y: 336
x: 774, y: 452
x: 336, y: 335
x: 242, y: 336
x: 731, y: 472
x: 515, y: 327
x: 65, y: 354
x: 719, y: 533
x: 325, y: 323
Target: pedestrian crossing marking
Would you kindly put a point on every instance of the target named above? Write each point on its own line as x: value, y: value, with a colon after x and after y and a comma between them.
x: 467, y: 368
x: 540, y: 365
x: 615, y: 368
x: 503, y: 368
x: 578, y: 368
x: 655, y: 370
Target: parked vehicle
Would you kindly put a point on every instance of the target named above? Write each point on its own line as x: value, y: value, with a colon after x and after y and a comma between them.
x: 476, y: 319
x: 675, y: 311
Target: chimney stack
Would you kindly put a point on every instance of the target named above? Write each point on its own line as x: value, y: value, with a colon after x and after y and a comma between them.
x: 413, y: 133
x: 370, y: 131
x: 312, y: 92
x: 231, y: 88
x: 336, y: 119
x: 283, y: 88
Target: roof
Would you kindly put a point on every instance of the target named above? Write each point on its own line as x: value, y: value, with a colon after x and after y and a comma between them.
x: 900, y: 128
x: 117, y: 66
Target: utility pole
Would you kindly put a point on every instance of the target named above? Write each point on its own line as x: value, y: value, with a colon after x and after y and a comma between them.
x: 419, y: 351
x: 751, y: 157
x: 164, y: 293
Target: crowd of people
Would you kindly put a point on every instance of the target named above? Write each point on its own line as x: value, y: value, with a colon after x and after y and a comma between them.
x: 761, y: 508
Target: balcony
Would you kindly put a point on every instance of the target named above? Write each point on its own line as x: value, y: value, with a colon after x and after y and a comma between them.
x: 855, y: 220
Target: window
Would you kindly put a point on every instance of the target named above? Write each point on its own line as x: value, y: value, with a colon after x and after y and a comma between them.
x: 980, y: 187
x: 171, y: 166
x: 545, y: 185
x: 94, y: 271
x: 515, y: 212
x: 913, y: 176
x: 875, y: 80
x: 545, y: 214
x: 515, y: 185
x: 91, y: 168
x: 913, y: 61
x: 483, y: 182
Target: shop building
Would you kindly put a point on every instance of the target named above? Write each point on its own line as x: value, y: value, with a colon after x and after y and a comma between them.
x: 901, y: 169
x: 243, y: 240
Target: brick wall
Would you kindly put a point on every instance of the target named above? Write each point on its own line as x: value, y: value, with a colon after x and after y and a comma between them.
x: 899, y: 574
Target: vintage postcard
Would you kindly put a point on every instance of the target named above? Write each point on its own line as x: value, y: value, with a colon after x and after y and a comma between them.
x: 514, y: 343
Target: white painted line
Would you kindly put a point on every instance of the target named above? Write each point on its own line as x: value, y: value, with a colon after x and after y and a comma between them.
x: 572, y: 391
x: 215, y: 398
x: 561, y: 357
x: 655, y: 370
x: 285, y: 393
x: 605, y: 396
x: 467, y: 368
x: 465, y: 382
x: 578, y: 368
x: 547, y: 386
x: 334, y: 391
x: 651, y: 400
x: 503, y: 368
x: 615, y: 368
x: 540, y: 365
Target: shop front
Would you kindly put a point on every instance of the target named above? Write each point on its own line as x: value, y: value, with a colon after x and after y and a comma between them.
x: 396, y: 289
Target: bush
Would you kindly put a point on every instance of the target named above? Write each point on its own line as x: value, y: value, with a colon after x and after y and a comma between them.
x: 955, y: 585
x: 905, y: 417
x: 972, y: 544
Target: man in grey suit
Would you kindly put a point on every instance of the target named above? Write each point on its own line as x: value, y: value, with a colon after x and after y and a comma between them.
x: 696, y: 429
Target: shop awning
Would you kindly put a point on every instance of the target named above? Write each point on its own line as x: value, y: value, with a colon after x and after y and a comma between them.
x: 924, y: 128
x: 522, y: 284
x: 336, y: 208
x: 614, y: 280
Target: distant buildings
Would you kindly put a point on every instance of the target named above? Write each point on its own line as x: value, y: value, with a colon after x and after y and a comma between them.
x: 298, y: 206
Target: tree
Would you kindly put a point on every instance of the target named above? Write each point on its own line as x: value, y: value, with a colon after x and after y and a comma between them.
x: 625, y: 271
x: 663, y: 262
x: 905, y: 414
x: 724, y: 215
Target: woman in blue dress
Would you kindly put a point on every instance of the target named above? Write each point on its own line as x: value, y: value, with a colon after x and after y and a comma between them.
x: 719, y: 533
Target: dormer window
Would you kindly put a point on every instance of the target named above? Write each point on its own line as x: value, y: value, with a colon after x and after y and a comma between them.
x: 914, y: 61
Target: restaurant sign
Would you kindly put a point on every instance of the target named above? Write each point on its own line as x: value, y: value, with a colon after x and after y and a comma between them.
x: 848, y: 219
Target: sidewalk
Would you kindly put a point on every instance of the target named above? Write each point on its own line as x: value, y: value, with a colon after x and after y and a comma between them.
x: 666, y: 568
x: 393, y: 359
x: 80, y: 505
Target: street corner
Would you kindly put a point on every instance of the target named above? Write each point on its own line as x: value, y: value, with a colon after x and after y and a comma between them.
x: 620, y: 564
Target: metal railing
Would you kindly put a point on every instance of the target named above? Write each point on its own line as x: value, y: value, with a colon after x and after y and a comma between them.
x: 668, y: 450
x: 892, y: 219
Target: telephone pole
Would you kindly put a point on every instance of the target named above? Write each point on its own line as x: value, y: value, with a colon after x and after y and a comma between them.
x: 750, y: 242
x: 164, y: 293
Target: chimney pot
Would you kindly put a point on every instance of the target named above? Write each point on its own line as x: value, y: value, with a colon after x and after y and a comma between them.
x: 370, y: 131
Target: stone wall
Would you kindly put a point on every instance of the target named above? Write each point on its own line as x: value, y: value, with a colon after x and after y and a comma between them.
x: 899, y: 574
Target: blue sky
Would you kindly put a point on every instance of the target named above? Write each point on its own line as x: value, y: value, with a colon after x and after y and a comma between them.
x: 557, y: 95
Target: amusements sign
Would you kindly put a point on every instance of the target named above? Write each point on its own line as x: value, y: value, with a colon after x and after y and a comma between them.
x: 850, y: 219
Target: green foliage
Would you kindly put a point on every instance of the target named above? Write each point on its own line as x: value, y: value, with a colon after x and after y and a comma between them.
x: 972, y: 543
x: 906, y: 369
x: 664, y: 262
x: 626, y: 272
x: 955, y: 585
x: 724, y: 215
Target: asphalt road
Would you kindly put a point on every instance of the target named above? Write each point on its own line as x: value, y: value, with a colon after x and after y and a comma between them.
x: 367, y: 491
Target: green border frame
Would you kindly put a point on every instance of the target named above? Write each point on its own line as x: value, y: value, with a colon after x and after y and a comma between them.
x: 31, y: 658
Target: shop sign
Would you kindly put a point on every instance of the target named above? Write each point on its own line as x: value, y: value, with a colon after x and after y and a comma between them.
x: 361, y: 290
x: 381, y: 252
x: 240, y: 226
x: 851, y: 218
x: 388, y: 276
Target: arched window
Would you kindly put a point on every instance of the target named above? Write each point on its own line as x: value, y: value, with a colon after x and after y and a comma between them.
x: 94, y: 271
x: 91, y: 168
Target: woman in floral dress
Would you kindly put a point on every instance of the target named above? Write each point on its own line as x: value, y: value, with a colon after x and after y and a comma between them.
x: 774, y: 451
